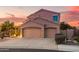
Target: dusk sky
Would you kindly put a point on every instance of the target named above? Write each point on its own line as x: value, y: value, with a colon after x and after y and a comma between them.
x: 22, y: 12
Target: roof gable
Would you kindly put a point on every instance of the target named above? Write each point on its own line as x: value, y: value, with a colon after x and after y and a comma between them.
x: 44, y: 15
x: 30, y: 23
x: 41, y: 11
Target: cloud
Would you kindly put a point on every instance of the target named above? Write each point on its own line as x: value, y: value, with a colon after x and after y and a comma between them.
x: 16, y: 20
x: 70, y: 17
x: 74, y: 8
x: 12, y: 15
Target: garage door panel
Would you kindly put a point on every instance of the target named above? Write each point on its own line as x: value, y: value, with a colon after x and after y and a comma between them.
x: 50, y: 33
x: 32, y: 33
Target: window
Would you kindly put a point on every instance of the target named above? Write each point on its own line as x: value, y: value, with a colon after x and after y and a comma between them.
x: 55, y: 19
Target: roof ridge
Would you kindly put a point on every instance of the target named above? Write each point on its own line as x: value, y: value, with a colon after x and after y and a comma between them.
x: 42, y: 10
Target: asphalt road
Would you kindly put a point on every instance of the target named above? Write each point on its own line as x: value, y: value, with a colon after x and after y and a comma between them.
x: 27, y: 50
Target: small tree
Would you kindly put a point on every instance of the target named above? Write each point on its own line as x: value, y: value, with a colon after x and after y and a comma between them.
x: 65, y: 26
x: 8, y: 29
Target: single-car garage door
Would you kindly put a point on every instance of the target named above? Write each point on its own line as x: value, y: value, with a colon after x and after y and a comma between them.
x: 50, y: 32
x: 32, y: 32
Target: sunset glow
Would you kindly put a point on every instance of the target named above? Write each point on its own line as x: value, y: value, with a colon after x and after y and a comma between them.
x: 74, y: 8
x: 74, y: 23
x: 19, y: 14
x: 71, y: 16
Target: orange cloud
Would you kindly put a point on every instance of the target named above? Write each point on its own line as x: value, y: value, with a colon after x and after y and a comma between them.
x: 74, y: 8
x: 74, y: 23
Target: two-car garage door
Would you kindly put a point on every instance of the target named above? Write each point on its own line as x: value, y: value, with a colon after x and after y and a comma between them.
x: 37, y: 33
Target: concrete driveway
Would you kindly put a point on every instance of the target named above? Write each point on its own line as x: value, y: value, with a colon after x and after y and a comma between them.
x: 29, y: 43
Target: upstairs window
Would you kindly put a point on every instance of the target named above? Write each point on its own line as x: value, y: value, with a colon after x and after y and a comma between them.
x: 55, y: 19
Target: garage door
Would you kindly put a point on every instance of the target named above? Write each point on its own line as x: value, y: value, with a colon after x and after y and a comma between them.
x: 50, y: 33
x: 32, y: 33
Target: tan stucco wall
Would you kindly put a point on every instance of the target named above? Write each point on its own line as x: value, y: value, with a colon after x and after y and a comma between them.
x: 44, y: 21
x: 48, y: 24
x: 44, y: 14
x: 36, y: 29
x: 31, y: 24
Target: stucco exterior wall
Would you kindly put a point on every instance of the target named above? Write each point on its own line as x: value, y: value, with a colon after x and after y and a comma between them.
x: 42, y: 24
x: 31, y: 24
x: 44, y: 14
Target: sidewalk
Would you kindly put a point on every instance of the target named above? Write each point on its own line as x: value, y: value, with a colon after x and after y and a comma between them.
x: 74, y: 48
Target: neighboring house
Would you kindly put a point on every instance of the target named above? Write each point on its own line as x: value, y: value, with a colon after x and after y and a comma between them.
x: 41, y: 24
